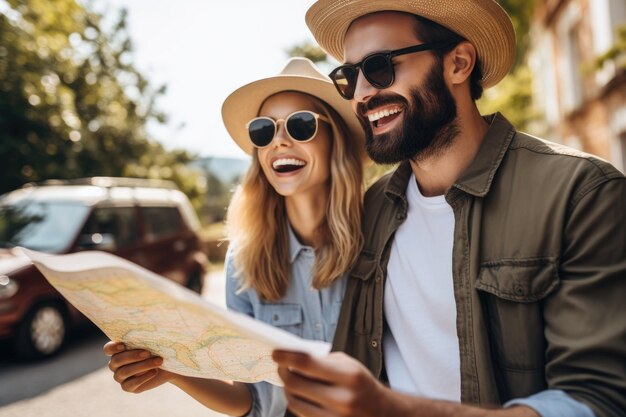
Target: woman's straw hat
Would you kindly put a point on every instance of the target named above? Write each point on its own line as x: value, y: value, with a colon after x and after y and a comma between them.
x: 482, y: 22
x: 301, y: 75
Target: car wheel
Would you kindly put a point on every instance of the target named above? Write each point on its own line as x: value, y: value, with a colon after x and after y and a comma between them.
x: 194, y: 282
x: 42, y: 332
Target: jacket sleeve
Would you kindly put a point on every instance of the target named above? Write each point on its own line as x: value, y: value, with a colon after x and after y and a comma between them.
x: 585, y: 319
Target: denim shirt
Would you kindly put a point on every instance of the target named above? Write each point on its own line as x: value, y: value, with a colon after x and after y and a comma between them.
x: 304, y: 311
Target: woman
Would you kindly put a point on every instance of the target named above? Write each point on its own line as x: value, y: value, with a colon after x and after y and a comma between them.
x: 294, y: 226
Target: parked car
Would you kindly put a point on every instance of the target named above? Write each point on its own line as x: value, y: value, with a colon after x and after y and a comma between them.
x: 147, y: 222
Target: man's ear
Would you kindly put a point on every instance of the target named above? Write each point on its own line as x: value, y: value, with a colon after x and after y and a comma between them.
x: 460, y: 63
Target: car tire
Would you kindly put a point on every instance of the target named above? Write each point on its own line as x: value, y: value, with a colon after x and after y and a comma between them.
x: 43, y: 331
x: 194, y: 282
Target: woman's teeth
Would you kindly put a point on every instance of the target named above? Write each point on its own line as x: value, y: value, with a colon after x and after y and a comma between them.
x: 287, y: 164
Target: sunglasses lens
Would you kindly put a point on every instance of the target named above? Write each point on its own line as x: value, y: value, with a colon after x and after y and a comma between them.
x: 301, y: 126
x: 378, y: 70
x: 345, y: 81
x: 261, y: 132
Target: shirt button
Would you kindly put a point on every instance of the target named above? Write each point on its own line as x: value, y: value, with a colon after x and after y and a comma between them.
x: 275, y: 317
x: 374, y: 344
x: 318, y: 326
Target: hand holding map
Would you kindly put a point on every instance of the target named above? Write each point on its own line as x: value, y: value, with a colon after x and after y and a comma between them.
x: 146, y: 311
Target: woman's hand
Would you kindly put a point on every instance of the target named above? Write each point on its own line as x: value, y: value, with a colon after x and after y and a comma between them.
x: 135, y: 370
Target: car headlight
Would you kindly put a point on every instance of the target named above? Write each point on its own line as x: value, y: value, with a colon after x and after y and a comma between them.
x: 8, y: 287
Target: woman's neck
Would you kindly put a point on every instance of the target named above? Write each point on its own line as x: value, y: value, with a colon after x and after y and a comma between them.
x: 305, y: 213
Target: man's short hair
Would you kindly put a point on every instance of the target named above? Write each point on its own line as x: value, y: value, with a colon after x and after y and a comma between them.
x: 429, y: 31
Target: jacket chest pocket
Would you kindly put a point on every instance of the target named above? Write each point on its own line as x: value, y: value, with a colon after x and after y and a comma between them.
x: 282, y: 315
x: 512, y: 292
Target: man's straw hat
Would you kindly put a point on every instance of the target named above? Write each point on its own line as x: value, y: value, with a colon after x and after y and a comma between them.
x: 482, y: 22
x: 301, y: 75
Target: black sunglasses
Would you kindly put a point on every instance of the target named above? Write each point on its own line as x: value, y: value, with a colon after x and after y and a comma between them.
x: 301, y: 126
x: 377, y: 68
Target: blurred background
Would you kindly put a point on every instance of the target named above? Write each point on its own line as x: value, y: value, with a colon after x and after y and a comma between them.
x: 133, y: 89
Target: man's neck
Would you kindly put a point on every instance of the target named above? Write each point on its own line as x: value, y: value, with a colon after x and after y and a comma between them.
x: 436, y: 174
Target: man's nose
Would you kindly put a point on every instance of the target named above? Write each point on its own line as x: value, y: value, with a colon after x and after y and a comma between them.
x: 363, y: 90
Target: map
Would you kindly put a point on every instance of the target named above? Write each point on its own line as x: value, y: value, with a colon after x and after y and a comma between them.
x: 143, y: 310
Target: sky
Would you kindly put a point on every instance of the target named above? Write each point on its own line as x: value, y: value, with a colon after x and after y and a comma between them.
x: 203, y: 50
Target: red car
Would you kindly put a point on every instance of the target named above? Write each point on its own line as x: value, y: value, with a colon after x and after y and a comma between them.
x: 147, y: 222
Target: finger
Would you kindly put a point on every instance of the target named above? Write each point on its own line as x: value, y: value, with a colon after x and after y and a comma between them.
x: 158, y: 379
x: 334, y: 368
x: 314, y: 392
x: 128, y: 357
x: 135, y: 383
x: 111, y: 348
x: 136, y: 369
x: 303, y: 408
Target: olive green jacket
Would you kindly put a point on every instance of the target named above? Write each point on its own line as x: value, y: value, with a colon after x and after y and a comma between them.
x: 539, y: 270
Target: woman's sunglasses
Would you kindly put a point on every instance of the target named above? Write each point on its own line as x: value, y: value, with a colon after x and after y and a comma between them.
x: 301, y: 126
x: 378, y: 68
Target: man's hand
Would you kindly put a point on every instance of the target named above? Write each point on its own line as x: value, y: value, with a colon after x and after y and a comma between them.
x: 135, y: 370
x: 340, y: 386
x: 336, y: 385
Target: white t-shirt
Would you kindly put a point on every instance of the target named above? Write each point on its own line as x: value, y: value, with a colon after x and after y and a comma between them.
x: 420, y: 344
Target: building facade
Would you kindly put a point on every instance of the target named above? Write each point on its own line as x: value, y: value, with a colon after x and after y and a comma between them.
x: 583, y: 103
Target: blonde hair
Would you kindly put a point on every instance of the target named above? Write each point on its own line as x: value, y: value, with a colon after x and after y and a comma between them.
x: 257, y: 221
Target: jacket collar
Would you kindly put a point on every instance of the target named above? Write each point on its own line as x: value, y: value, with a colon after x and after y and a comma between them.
x: 477, y: 178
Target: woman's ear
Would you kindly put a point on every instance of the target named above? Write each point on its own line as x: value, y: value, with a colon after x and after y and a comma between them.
x: 460, y: 63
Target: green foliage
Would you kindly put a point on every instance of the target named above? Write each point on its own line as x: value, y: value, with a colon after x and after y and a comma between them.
x: 521, y: 12
x: 71, y: 103
x: 308, y: 50
x: 616, y: 54
x: 513, y: 97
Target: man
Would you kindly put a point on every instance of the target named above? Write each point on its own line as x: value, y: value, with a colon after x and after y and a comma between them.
x: 493, y: 277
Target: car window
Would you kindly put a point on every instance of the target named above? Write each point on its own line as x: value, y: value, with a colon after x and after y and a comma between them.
x: 43, y: 226
x: 120, y: 223
x: 161, y: 222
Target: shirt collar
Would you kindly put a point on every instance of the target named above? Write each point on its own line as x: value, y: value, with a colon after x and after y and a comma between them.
x: 477, y: 178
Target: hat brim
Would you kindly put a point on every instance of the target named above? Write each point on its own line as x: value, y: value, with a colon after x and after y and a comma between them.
x: 244, y: 104
x: 482, y: 22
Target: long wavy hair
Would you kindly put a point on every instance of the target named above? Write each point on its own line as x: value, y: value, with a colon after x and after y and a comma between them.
x: 257, y: 221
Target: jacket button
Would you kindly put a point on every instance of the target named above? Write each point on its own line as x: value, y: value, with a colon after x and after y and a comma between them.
x: 374, y: 344
x: 275, y: 317
x: 518, y: 289
x: 378, y: 277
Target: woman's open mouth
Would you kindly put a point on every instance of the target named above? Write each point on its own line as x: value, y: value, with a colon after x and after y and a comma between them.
x: 285, y: 165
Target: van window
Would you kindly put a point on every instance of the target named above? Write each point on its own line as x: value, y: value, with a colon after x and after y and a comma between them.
x: 161, y: 222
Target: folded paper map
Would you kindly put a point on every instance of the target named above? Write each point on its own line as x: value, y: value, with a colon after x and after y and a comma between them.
x: 143, y: 310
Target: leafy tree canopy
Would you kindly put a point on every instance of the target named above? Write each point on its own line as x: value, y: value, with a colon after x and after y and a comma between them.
x: 71, y: 102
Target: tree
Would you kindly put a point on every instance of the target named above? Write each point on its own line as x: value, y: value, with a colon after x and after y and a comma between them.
x: 71, y: 102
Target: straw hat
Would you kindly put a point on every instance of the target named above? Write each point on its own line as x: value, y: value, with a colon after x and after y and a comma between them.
x: 482, y: 22
x: 301, y: 75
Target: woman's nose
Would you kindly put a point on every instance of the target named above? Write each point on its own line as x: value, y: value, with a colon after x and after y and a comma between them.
x: 281, y: 138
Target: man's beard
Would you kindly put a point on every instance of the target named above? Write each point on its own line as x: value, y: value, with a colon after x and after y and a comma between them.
x: 429, y: 126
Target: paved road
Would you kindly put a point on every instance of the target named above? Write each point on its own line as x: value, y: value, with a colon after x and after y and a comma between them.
x: 78, y: 383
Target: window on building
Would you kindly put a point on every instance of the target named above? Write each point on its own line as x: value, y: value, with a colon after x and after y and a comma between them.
x: 571, y: 86
x: 622, y: 141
